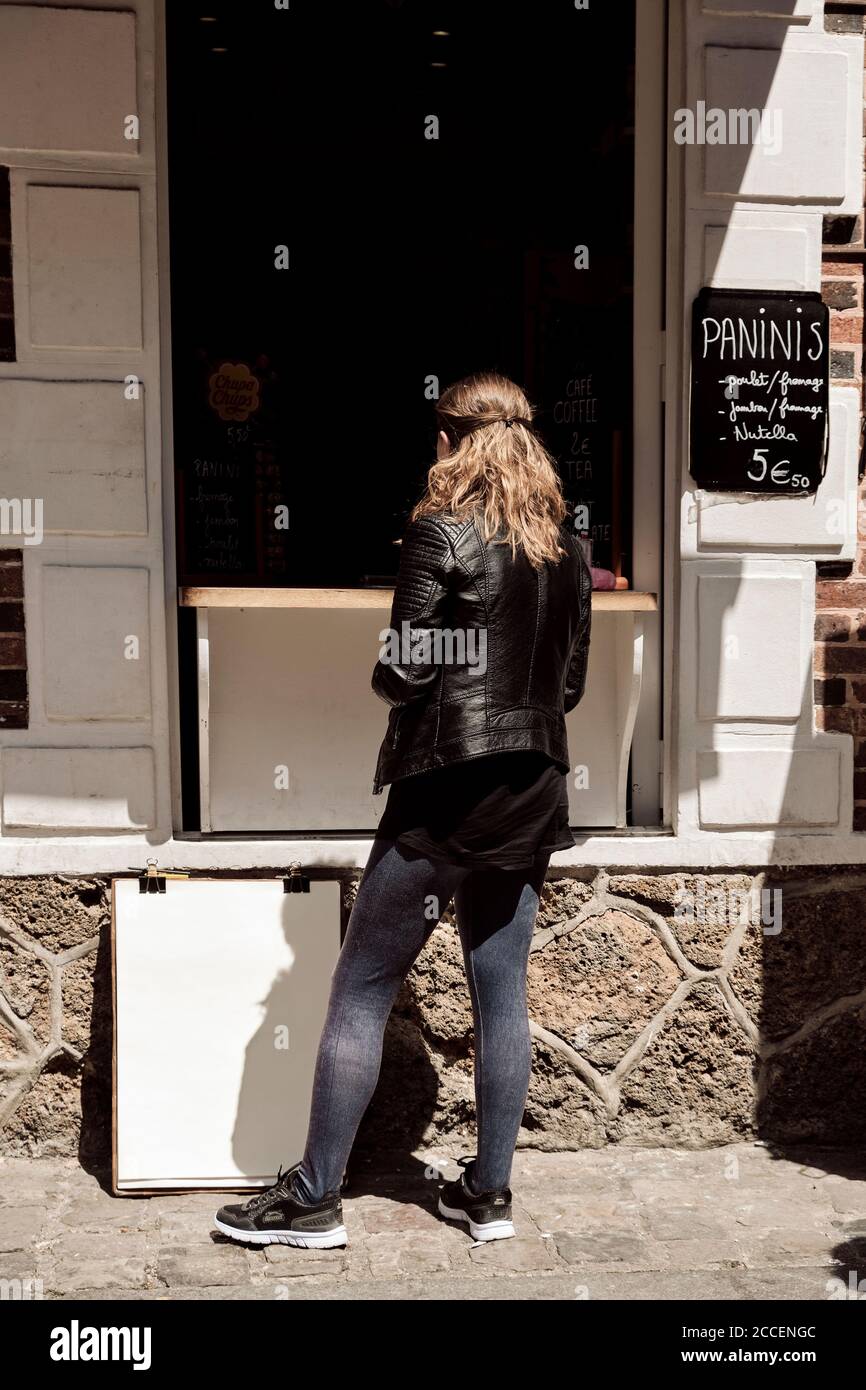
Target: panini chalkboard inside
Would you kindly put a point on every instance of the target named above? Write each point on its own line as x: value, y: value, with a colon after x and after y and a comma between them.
x: 760, y: 391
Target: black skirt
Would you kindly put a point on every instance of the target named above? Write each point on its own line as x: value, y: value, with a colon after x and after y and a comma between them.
x: 503, y: 810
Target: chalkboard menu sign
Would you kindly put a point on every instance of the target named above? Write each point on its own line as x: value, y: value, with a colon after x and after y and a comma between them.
x: 760, y: 391
x: 232, y: 495
x: 577, y: 377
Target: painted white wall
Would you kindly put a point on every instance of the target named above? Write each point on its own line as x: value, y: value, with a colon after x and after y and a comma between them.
x: 294, y: 750
x: 747, y: 754
x: 80, y: 428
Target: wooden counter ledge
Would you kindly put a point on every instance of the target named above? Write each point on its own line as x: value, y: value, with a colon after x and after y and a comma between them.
x: 603, y: 600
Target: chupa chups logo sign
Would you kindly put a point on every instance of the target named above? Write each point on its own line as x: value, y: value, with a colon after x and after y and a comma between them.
x: 233, y: 391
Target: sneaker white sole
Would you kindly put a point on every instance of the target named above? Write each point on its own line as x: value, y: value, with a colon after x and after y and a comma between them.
x: 326, y: 1241
x: 490, y: 1230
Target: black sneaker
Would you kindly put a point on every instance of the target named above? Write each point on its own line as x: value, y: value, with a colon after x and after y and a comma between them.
x: 278, y: 1216
x: 487, y: 1214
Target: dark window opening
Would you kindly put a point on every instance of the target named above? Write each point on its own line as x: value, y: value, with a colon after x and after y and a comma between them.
x: 303, y: 418
x: 409, y: 259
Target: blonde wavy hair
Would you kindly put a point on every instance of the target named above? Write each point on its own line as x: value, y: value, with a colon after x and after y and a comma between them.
x: 498, y: 470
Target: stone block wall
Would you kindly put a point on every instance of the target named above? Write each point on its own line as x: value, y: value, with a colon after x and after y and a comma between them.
x: 663, y: 1012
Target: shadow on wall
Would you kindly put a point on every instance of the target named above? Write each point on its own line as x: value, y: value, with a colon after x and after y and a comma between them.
x: 800, y: 973
x: 812, y: 1013
x: 408, y: 1080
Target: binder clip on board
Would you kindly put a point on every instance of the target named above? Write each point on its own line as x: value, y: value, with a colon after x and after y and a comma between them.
x: 294, y: 881
x: 151, y: 880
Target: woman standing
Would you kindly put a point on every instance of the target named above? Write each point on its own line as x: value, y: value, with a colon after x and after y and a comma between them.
x: 486, y: 654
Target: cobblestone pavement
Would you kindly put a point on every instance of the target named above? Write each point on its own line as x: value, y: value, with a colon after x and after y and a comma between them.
x: 735, y: 1222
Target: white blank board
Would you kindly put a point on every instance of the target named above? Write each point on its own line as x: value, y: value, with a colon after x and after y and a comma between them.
x: 220, y: 993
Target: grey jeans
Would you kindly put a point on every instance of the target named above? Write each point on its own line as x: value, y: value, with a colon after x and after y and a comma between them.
x: 401, y: 897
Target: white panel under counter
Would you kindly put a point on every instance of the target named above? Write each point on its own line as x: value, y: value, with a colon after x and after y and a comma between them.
x: 293, y: 726
x: 290, y: 728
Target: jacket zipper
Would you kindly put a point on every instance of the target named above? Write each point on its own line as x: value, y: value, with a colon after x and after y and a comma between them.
x: 395, y: 736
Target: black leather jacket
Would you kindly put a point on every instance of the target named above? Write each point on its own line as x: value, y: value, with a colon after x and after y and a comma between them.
x: 487, y: 654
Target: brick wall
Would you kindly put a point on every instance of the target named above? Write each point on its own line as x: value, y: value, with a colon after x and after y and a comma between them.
x: 7, y: 321
x: 13, y: 653
x: 840, y: 625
